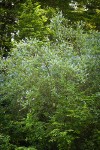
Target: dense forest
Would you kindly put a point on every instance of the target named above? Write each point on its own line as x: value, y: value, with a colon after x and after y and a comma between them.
x: 50, y: 75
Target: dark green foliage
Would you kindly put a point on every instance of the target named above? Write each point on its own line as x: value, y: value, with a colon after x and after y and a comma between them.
x: 77, y: 10
x: 8, y: 19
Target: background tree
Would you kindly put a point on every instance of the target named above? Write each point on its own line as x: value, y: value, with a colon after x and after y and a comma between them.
x: 77, y: 10
x: 21, y: 19
x: 33, y: 20
x: 8, y: 27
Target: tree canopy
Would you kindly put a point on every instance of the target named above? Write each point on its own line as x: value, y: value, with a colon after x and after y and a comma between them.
x: 49, y: 75
x: 50, y: 91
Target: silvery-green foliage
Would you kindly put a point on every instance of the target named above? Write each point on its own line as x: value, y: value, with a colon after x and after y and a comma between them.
x: 32, y: 63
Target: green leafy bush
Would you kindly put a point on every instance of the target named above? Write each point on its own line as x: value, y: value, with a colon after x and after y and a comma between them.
x: 5, y: 142
x: 52, y: 87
